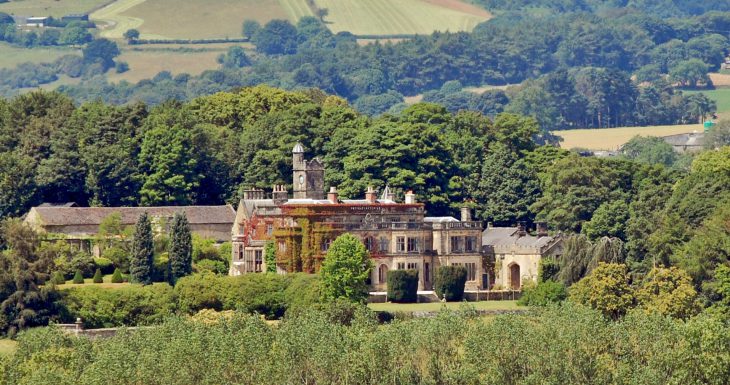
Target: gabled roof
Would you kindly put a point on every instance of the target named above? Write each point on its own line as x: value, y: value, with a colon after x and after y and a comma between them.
x: 509, y: 236
x: 67, y: 216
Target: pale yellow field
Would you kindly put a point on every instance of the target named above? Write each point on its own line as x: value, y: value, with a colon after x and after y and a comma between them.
x: 55, y: 8
x: 147, y: 63
x: 193, y: 19
x: 387, y: 17
x: 613, y: 138
x: 720, y: 80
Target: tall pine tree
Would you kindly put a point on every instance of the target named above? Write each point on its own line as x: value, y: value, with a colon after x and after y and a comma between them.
x: 181, y: 248
x: 140, y: 267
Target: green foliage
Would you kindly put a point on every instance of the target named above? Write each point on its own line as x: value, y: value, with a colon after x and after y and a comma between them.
x: 403, y: 286
x: 117, y: 276
x: 276, y: 37
x: 543, y: 293
x: 78, y: 278
x: 235, y: 57
x: 58, y: 278
x: 105, y: 265
x: 270, y: 257
x: 142, y: 261
x: 130, y: 305
x: 101, y: 51
x: 650, y: 150
x: 690, y: 73
x: 581, y: 256
x: 609, y: 220
x: 605, y: 289
x: 250, y: 28
x: 345, y: 269
x: 548, y: 269
x: 131, y: 34
x: 449, y: 282
x: 181, y: 248
x: 212, y: 265
x: 98, y: 278
x: 669, y: 292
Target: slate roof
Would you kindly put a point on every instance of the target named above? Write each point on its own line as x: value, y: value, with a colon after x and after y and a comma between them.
x: 507, y: 236
x: 67, y: 216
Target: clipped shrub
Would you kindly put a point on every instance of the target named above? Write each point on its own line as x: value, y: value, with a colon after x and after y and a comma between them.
x: 256, y: 293
x: 58, y: 278
x: 213, y: 266
x: 104, y: 264
x: 78, y: 277
x: 449, y: 282
x: 98, y: 278
x: 117, y: 276
x: 403, y: 286
x: 542, y: 293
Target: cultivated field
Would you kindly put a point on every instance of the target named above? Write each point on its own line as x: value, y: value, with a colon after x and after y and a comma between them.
x: 386, y: 17
x: 55, y: 8
x: 613, y: 138
x: 147, y: 62
x: 435, y: 306
x: 193, y: 19
x: 11, y: 56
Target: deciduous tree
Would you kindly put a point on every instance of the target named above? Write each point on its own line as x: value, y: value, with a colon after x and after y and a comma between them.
x: 345, y: 270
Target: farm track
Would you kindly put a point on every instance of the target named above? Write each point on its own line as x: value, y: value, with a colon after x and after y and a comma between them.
x: 116, y: 23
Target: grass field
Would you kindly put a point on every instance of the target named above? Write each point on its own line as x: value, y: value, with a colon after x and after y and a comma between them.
x: 90, y: 282
x: 435, y: 306
x: 720, y: 95
x: 11, y: 56
x: 384, y: 17
x: 613, y: 138
x: 146, y: 63
x: 112, y: 23
x: 55, y: 8
x: 7, y: 346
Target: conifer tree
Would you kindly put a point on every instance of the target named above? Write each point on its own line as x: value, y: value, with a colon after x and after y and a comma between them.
x: 181, y: 248
x: 140, y: 267
x: 98, y: 278
x: 78, y: 278
x: 117, y: 276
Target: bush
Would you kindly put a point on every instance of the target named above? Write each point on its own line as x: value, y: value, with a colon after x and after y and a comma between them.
x: 126, y: 306
x: 256, y: 293
x: 78, y: 277
x: 98, y: 278
x: 548, y: 269
x: 105, y: 265
x: 118, y: 256
x: 449, y: 282
x: 403, y: 286
x: 199, y: 291
x: 117, y: 276
x: 303, y: 292
x: 58, y: 278
x: 209, y: 265
x: 542, y: 293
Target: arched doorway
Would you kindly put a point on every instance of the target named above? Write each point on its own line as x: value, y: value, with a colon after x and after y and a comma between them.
x: 383, y: 274
x: 514, y: 276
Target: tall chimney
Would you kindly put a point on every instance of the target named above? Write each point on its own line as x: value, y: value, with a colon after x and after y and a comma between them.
x: 279, y: 195
x: 332, y: 195
x: 410, y: 198
x: 465, y: 214
x: 542, y: 229
x: 370, y: 195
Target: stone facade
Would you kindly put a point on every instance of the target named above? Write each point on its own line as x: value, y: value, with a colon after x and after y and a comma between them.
x: 516, y: 254
x: 397, y: 235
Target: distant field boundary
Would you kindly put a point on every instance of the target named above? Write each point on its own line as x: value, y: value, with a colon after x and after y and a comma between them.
x: 187, y: 41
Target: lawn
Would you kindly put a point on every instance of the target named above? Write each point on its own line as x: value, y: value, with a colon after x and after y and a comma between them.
x: 193, y: 19
x: 55, y: 8
x: 11, y: 56
x: 613, y: 138
x: 7, y: 346
x: 386, y: 17
x: 90, y: 282
x: 435, y: 306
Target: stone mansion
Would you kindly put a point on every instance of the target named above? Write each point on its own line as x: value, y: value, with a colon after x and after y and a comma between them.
x: 397, y: 234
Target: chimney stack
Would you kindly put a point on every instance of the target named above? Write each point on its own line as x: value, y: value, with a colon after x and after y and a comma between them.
x: 279, y: 195
x: 332, y: 195
x: 465, y: 214
x: 542, y: 229
x: 521, y: 229
x: 370, y: 195
x: 410, y: 198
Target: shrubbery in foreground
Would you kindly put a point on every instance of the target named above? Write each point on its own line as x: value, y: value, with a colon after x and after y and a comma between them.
x: 333, y: 346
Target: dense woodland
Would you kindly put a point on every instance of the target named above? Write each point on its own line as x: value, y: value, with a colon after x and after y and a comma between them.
x: 581, y: 66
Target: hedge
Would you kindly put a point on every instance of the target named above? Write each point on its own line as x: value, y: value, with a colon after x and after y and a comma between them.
x: 449, y: 282
x: 98, y: 278
x: 403, y: 286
